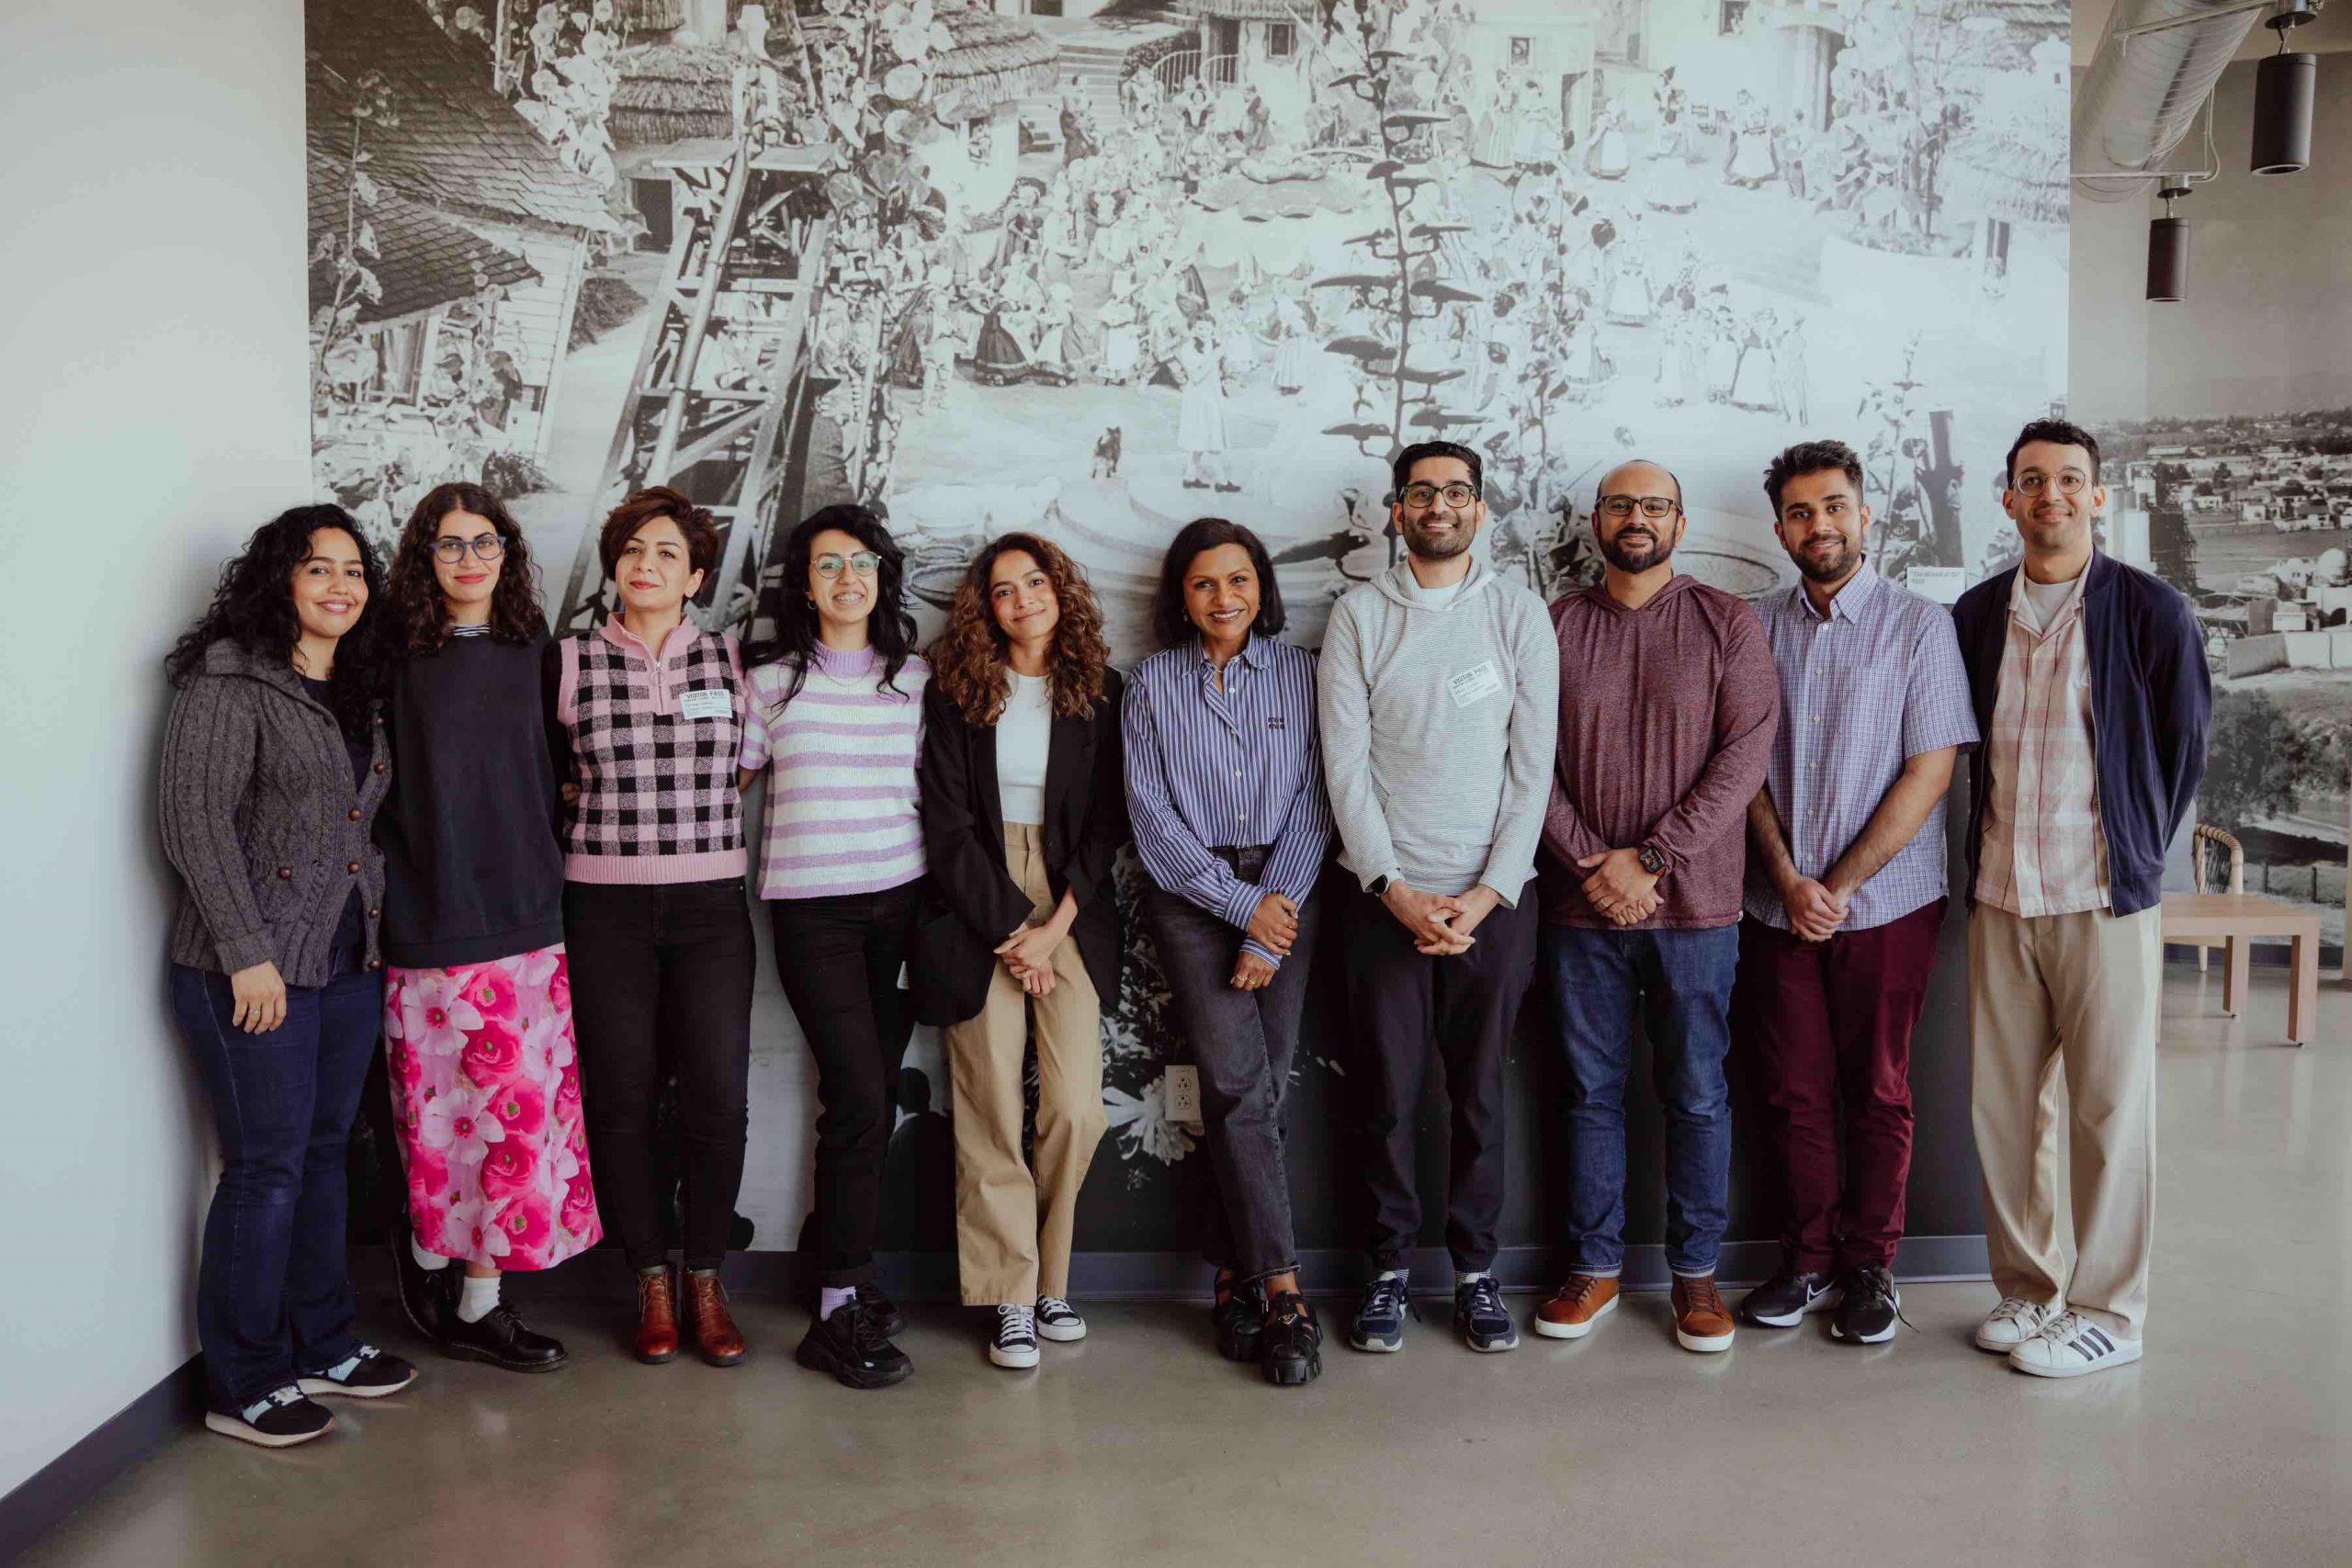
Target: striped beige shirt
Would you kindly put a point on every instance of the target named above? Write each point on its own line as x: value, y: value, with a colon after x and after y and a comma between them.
x: 2045, y: 853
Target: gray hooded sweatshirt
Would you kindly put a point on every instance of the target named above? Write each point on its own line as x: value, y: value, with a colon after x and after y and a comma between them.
x: 1439, y: 716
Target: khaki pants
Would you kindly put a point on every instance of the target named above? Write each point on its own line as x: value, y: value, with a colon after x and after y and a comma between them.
x: 1012, y: 1228
x: 2082, y: 988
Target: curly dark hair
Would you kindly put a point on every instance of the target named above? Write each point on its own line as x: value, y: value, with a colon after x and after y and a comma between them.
x: 419, y: 622
x: 701, y: 531
x: 1811, y: 457
x: 1168, y: 620
x: 892, y: 627
x: 968, y: 659
x: 253, y: 606
x: 2058, y: 432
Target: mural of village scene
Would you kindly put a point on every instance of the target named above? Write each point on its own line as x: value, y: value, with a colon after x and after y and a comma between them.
x: 1100, y: 272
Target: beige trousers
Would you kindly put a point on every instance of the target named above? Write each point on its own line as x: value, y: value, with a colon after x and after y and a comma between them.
x: 2071, y: 996
x: 1012, y: 1227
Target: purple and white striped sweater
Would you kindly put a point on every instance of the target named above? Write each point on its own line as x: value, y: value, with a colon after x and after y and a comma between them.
x: 841, y: 797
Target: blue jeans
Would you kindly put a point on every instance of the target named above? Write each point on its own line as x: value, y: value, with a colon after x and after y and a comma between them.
x: 1679, y: 981
x: 273, y: 1297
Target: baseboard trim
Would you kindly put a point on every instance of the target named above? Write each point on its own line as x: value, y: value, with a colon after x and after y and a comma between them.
x: 50, y: 1496
x: 1182, y: 1276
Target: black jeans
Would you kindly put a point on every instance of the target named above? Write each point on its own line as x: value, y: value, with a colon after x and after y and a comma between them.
x: 1243, y: 1043
x: 1463, y: 1008
x: 273, y: 1296
x: 839, y: 958
x: 662, y: 973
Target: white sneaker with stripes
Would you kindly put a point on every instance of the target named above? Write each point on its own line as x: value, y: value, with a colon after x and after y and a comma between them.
x: 2070, y: 1345
x: 2011, y: 1324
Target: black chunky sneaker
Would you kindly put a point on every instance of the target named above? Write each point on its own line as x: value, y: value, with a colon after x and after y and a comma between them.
x: 851, y: 1346
x: 1290, y: 1350
x: 1240, y: 1319
x: 1868, y: 1308
x: 1480, y: 1317
x: 498, y: 1337
x: 881, y: 1309
x: 1782, y: 1301
x: 370, y: 1374
x: 1380, y: 1320
x: 279, y: 1419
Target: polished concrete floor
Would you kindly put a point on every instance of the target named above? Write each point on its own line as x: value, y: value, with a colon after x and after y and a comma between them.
x: 2230, y: 1442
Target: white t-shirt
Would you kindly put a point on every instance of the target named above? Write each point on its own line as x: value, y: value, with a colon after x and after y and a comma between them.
x: 1023, y: 735
x: 2045, y: 599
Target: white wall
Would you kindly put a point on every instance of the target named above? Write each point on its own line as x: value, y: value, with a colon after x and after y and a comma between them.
x: 152, y: 411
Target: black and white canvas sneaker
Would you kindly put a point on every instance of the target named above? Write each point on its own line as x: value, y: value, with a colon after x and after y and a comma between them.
x: 1058, y: 1321
x: 279, y: 1419
x: 1014, y: 1343
x: 1785, y: 1300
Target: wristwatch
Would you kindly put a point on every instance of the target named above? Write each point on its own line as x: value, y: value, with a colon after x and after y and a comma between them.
x: 1378, y: 886
x: 1652, y: 861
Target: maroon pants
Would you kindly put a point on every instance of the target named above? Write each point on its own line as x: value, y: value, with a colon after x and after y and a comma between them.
x: 1830, y: 1024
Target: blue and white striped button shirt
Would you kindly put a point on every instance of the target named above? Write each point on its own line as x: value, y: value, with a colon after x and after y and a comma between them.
x: 1236, y: 768
x: 1863, y: 690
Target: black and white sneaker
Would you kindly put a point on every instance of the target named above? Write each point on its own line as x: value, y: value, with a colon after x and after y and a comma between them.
x: 370, y: 1374
x: 2071, y: 1345
x: 1058, y: 1321
x: 1014, y: 1344
x: 1868, y: 1306
x: 1379, y: 1324
x: 1480, y: 1317
x: 1784, y: 1299
x: 279, y: 1419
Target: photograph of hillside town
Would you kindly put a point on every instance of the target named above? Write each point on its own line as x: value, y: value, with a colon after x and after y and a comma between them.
x: 2251, y: 515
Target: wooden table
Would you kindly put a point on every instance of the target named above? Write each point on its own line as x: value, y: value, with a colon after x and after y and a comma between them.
x: 2238, y: 919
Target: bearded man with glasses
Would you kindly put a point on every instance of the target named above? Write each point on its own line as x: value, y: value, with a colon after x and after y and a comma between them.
x: 1438, y: 697
x: 1669, y: 703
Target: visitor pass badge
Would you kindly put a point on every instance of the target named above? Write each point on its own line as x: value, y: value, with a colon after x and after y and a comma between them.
x: 1474, y: 685
x: 711, y: 702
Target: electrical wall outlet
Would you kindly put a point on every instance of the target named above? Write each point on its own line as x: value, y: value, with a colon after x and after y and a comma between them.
x: 1185, y: 1097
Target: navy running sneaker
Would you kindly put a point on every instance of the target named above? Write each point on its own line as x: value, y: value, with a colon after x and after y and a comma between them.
x: 1380, y: 1321
x: 1480, y: 1317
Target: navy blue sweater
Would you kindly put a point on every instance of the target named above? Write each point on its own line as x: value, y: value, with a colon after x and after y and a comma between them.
x: 2152, y: 704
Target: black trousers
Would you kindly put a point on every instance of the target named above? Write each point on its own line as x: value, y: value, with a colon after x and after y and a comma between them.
x: 839, y: 959
x: 1462, y: 1009
x: 663, y: 975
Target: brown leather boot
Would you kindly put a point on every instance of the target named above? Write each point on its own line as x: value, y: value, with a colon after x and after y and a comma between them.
x: 657, y: 1317
x: 714, y: 1328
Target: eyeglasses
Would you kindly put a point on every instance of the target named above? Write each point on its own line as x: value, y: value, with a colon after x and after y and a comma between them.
x: 865, y: 563
x: 2070, y: 482
x: 1457, y: 495
x: 1651, y: 505
x: 450, y: 552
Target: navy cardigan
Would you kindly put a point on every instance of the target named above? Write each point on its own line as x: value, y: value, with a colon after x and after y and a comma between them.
x: 2152, y: 704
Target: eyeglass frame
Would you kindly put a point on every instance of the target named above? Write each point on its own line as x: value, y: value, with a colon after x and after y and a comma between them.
x: 1471, y: 494
x: 864, y: 563
x: 1607, y: 506
x: 496, y: 541
x: 2035, y: 483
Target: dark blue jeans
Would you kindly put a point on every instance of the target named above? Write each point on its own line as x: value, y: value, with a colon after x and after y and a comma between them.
x: 273, y: 1297
x: 1679, y: 983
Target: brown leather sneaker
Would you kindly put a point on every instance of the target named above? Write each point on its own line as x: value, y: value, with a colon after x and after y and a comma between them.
x: 1575, y: 1306
x: 657, y: 1318
x: 714, y: 1333
x: 1702, y: 1322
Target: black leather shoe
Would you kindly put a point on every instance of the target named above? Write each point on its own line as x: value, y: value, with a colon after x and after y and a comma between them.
x: 1290, y: 1348
x: 1240, y: 1319
x: 498, y: 1337
x: 852, y: 1348
x: 420, y: 1288
x: 881, y: 1309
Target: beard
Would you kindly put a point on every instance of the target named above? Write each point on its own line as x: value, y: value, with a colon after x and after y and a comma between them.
x: 1636, y: 549
x: 1831, y: 567
x: 1417, y: 539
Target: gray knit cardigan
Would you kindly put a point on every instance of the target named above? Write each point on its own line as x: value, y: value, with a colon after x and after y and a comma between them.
x: 261, y: 821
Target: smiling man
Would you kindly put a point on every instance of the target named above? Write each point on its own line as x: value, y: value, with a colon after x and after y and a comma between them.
x: 1438, y: 692
x: 1667, y: 707
x: 2090, y: 688
x: 1845, y: 892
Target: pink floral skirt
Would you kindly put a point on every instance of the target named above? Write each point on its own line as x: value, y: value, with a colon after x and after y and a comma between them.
x: 486, y: 1089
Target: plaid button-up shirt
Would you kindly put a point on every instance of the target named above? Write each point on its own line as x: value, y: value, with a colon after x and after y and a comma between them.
x: 1863, y: 690
x: 2045, y: 853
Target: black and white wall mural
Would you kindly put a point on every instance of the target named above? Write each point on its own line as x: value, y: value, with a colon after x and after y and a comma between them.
x: 1099, y: 272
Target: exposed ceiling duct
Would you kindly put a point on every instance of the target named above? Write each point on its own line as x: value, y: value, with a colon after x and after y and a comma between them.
x: 2156, y: 65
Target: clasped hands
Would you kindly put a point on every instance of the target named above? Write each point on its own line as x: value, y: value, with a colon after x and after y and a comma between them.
x: 1815, y: 908
x: 1440, y: 923
x: 1028, y: 953
x: 1616, y: 885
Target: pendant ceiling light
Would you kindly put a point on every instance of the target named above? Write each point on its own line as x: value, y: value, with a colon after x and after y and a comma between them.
x: 2168, y: 251
x: 2284, y: 87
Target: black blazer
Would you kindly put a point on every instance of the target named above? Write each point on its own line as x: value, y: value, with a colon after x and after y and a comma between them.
x: 970, y: 901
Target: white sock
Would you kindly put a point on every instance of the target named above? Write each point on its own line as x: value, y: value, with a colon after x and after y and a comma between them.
x: 1390, y: 1274
x: 1470, y: 1278
x: 476, y: 1297
x: 833, y: 1298
x: 431, y: 1262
